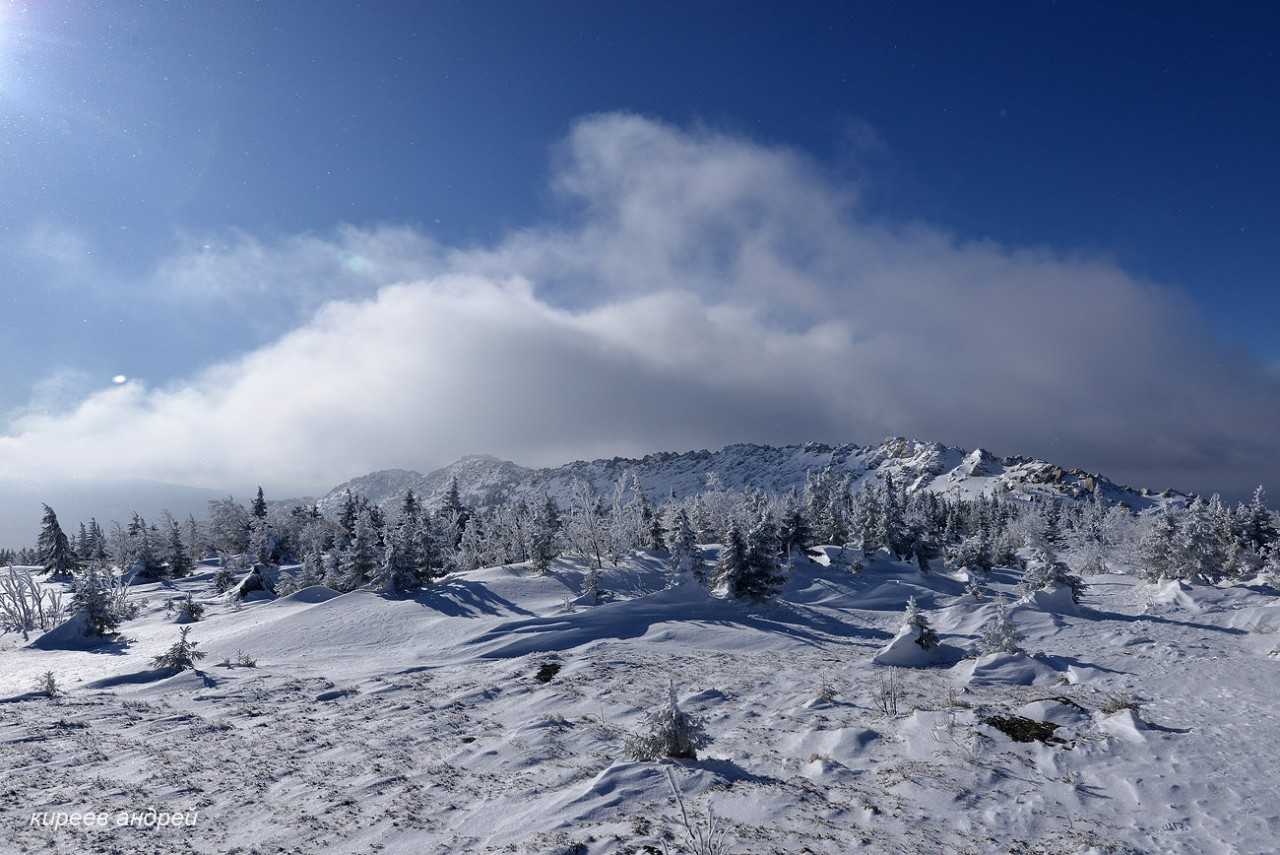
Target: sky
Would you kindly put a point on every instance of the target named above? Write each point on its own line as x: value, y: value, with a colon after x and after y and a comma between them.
x: 289, y: 243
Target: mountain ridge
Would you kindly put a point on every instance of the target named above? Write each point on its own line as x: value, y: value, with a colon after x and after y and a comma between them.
x: 484, y: 480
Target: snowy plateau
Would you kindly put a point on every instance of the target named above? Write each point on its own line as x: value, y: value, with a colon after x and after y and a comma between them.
x: 492, y: 710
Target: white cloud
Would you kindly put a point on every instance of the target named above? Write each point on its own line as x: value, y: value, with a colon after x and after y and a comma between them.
x: 707, y: 290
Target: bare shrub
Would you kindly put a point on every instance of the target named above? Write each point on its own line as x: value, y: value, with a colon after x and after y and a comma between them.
x: 26, y: 605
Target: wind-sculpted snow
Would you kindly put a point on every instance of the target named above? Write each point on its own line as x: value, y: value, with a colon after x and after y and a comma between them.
x: 488, y: 713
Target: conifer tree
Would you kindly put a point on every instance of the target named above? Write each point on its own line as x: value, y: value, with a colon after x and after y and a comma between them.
x: 543, y: 534
x: 684, y: 555
x: 591, y: 584
x: 1158, y: 556
x: 102, y: 600
x: 731, y: 564
x: 795, y: 530
x: 1045, y: 571
x: 182, y: 655
x: 1199, y: 548
x: 926, y: 637
x: 763, y: 579
x: 312, y: 570
x: 347, y: 516
x: 259, y: 506
x: 453, y: 511
x: 400, y: 569
x: 55, y: 551
x: 361, y: 560
x: 97, y: 543
x: 669, y: 732
x: 178, y: 559
x: 1000, y: 635
x: 1259, y: 528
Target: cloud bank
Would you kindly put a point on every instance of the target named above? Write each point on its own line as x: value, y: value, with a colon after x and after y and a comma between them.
x: 702, y: 289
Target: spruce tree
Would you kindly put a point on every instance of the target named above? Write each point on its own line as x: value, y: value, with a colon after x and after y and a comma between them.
x: 591, y: 584
x: 542, y: 537
x: 763, y: 579
x: 685, y: 556
x: 1158, y: 555
x: 400, y: 567
x: 347, y: 516
x: 104, y: 603
x: 1046, y: 572
x: 1199, y: 547
x: 55, y: 550
x: 361, y: 560
x: 1000, y: 635
x: 179, y: 560
x: 668, y: 732
x: 796, y: 532
x: 182, y: 655
x: 731, y: 564
x: 455, y: 512
x: 1259, y: 527
x: 259, y: 506
x: 926, y: 637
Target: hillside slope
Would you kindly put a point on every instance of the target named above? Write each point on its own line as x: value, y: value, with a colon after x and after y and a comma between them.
x: 489, y: 713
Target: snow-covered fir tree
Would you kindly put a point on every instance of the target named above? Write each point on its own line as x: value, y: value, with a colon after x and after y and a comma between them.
x: 1260, y: 529
x: 731, y: 563
x: 1158, y: 553
x: 544, y: 535
x: 181, y: 655
x: 1000, y: 635
x: 1199, y: 543
x: 827, y: 506
x: 794, y: 528
x: 258, y: 508
x: 591, y: 584
x: 362, y: 558
x: 104, y: 602
x: 56, y: 556
x: 400, y: 570
x: 926, y: 636
x: 668, y: 731
x: 763, y: 578
x: 1045, y: 571
x: 177, y: 559
x: 972, y: 552
x: 191, y: 610
x: 455, y: 513
x: 684, y: 559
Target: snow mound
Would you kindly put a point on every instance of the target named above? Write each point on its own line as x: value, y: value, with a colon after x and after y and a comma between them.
x: 311, y: 595
x: 72, y: 634
x: 1056, y: 600
x: 1125, y: 725
x: 904, y: 651
x: 1008, y: 669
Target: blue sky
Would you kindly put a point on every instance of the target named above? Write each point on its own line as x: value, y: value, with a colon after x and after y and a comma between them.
x: 1045, y: 228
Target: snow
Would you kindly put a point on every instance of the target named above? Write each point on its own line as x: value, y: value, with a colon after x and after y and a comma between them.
x: 483, y: 480
x: 422, y: 724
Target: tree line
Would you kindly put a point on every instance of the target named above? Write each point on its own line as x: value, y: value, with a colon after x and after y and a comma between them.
x: 405, y: 546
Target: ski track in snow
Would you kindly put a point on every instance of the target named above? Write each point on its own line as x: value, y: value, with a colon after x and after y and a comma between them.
x: 418, y: 725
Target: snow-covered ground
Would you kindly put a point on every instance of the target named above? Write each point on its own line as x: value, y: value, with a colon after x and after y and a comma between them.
x: 484, y: 715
